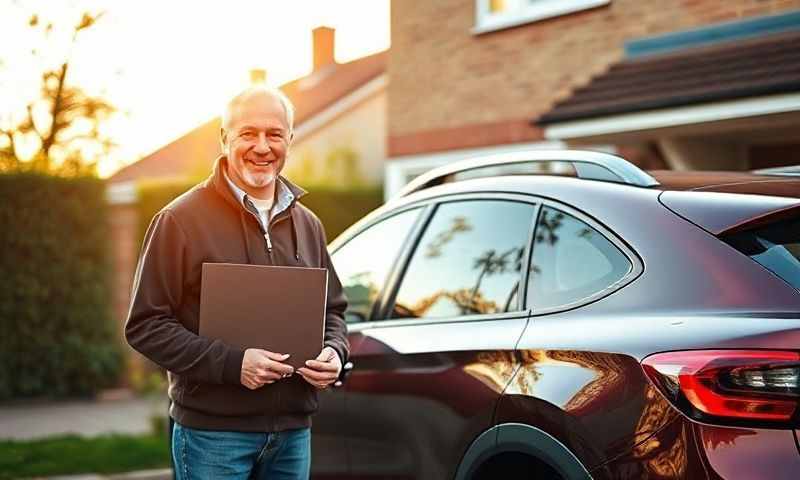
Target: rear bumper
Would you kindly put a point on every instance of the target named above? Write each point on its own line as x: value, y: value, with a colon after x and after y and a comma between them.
x: 748, y: 453
x: 688, y: 450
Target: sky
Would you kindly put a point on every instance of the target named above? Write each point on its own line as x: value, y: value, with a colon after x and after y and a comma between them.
x: 169, y: 66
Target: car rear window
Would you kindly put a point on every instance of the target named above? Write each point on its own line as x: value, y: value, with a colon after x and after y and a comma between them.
x: 776, y: 246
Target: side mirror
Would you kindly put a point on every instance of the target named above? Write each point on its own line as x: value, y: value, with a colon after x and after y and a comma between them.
x: 354, y: 317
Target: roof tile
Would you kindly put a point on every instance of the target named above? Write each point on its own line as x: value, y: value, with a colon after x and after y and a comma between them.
x: 739, y: 69
x: 195, y: 151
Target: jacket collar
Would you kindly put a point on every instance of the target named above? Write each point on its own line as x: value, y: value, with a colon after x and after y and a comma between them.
x: 220, y: 183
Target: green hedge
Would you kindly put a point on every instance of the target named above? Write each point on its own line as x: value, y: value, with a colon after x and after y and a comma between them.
x: 58, y: 335
x: 338, y: 209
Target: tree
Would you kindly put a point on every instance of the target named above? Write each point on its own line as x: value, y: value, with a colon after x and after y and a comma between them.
x: 434, y: 248
x: 58, y: 132
x: 490, y: 263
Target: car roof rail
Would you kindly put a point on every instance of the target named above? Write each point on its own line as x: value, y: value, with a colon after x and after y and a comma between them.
x: 587, y: 165
x: 788, y: 171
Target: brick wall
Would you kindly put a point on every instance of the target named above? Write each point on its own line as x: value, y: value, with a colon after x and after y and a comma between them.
x: 124, y: 220
x: 452, y: 89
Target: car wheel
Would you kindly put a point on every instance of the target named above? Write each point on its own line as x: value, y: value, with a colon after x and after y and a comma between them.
x: 515, y: 465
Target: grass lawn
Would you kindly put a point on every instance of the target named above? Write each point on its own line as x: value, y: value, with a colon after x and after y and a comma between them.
x: 69, y: 454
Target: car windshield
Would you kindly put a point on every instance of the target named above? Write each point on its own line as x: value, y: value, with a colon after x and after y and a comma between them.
x: 775, y: 246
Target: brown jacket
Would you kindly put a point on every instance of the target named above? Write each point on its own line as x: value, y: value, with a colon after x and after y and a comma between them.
x: 208, y: 224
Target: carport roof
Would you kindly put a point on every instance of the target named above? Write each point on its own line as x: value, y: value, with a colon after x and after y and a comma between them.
x: 724, y: 71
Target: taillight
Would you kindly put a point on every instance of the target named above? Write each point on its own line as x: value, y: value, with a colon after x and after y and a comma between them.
x: 749, y: 385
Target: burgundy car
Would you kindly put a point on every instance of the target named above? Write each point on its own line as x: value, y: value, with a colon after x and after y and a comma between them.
x: 566, y: 315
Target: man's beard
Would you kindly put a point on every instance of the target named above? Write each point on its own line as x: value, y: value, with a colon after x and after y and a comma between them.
x: 258, y: 180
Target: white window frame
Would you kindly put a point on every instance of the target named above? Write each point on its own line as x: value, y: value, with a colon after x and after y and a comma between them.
x: 540, y: 10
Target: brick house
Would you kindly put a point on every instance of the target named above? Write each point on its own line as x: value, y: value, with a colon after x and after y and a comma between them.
x: 339, y: 138
x: 681, y: 84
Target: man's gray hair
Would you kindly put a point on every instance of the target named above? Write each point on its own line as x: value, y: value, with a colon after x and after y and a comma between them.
x: 234, y: 102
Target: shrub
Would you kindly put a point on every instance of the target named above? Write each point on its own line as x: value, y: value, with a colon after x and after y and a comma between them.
x: 338, y: 209
x: 58, y: 336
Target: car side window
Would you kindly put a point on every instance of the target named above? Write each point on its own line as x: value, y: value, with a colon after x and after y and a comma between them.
x: 571, y: 261
x: 468, y: 261
x: 364, y: 262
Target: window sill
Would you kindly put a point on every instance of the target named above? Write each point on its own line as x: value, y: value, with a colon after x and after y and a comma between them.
x: 535, y: 14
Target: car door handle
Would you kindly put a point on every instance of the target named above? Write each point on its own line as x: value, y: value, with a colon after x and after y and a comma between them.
x: 346, y: 369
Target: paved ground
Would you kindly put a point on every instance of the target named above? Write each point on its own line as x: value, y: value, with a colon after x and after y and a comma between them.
x: 122, y: 413
x: 163, y: 474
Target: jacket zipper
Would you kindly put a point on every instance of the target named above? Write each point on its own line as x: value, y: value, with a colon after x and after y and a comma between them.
x: 269, y: 245
x: 267, y: 236
x: 269, y: 242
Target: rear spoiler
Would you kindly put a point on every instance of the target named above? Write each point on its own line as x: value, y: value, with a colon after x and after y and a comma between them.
x: 725, y: 213
x: 767, y: 218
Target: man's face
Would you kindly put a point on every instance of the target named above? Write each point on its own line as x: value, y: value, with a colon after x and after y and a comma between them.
x: 256, y: 141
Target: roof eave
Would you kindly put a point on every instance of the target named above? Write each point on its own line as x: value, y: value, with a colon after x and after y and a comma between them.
x: 655, y: 119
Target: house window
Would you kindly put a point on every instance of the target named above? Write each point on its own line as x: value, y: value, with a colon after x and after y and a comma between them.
x: 493, y: 15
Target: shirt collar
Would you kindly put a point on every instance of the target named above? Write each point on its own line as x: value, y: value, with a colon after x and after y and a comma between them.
x: 237, y: 192
x: 284, y: 198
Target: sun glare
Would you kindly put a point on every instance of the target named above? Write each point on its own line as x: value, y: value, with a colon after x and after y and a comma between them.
x: 169, y: 66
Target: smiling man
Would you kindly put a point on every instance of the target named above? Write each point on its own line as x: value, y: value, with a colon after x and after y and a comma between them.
x: 255, y: 137
x: 238, y: 413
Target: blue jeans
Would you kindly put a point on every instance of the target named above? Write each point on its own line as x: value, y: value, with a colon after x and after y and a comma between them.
x: 207, y: 454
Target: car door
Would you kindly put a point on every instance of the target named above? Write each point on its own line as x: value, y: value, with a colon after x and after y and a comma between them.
x: 363, y: 263
x: 572, y: 384
x: 431, y: 365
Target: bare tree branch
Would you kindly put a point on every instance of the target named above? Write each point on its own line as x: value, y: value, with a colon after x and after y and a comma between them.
x: 64, y: 119
x: 55, y: 113
x: 11, y: 149
x: 29, y: 125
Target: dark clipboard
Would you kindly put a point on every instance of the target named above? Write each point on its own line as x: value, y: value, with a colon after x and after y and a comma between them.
x: 275, y: 308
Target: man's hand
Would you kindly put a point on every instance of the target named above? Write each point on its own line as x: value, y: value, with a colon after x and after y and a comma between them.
x: 324, y: 370
x: 260, y: 367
